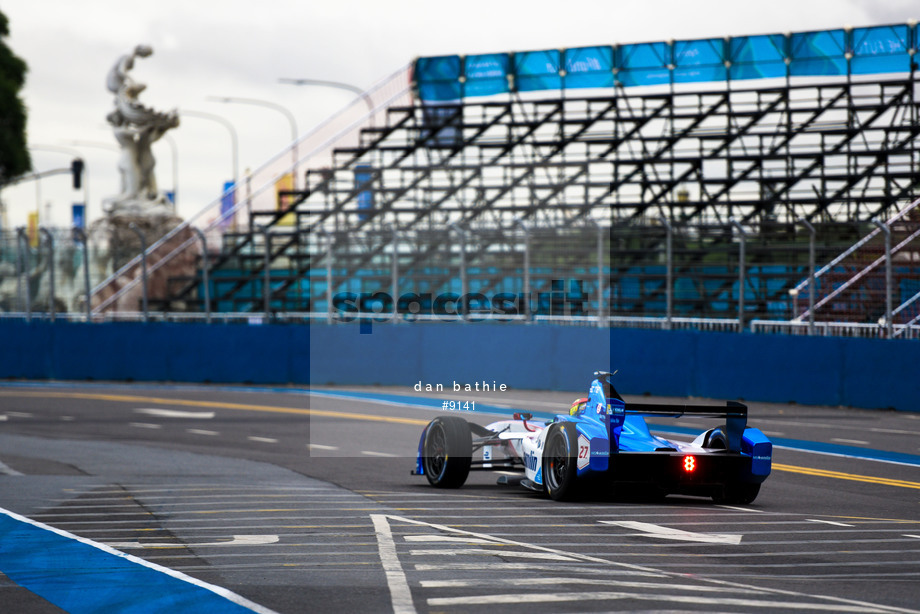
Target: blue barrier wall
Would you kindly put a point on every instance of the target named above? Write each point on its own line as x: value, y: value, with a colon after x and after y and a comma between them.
x: 871, y: 373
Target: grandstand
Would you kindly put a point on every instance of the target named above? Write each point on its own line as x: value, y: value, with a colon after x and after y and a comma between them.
x: 723, y: 183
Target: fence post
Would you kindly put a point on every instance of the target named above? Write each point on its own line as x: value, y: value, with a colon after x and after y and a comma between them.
x: 889, y: 325
x: 463, y: 280
x: 51, y: 306
x: 526, y: 229
x: 811, y: 275
x: 741, y: 261
x: 140, y: 235
x: 267, y: 273
x: 22, y: 270
x: 205, y: 266
x: 394, y: 272
x: 669, y: 262
x: 81, y: 236
x: 330, y: 244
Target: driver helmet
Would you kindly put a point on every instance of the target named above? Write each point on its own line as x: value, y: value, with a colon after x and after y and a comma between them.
x: 578, y: 406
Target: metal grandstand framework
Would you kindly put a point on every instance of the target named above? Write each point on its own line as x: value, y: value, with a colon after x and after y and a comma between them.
x: 495, y: 182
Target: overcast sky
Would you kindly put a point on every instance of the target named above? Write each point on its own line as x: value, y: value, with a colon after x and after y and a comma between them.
x: 236, y: 48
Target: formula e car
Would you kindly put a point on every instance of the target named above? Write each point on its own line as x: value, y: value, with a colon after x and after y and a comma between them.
x: 605, y: 442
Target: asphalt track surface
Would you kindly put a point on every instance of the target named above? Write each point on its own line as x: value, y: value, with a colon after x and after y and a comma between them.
x: 296, y: 502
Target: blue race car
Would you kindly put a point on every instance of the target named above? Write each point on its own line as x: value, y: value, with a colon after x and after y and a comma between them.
x: 606, y: 442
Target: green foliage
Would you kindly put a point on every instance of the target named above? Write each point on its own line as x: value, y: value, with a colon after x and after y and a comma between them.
x: 14, y: 153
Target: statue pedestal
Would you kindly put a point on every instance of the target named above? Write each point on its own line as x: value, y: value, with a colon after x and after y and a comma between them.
x: 124, y: 245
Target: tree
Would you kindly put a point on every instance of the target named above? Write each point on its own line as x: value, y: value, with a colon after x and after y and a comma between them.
x: 14, y: 153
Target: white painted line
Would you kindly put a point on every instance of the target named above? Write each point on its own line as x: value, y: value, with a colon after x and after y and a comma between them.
x: 238, y: 540
x: 202, y: 432
x: 914, y: 536
x: 7, y: 470
x: 317, y: 446
x: 18, y: 414
x: 542, y: 556
x: 145, y: 425
x: 654, y: 530
x: 67, y: 418
x: 400, y: 594
x: 836, y: 524
x: 524, y: 597
x: 740, y: 509
x: 855, y: 442
x: 262, y: 439
x: 4, y: 417
x: 447, y: 538
x: 606, y: 581
x: 175, y: 413
x: 381, y: 454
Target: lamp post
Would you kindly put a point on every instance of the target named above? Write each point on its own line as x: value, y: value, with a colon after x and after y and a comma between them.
x: 277, y: 107
x: 338, y: 85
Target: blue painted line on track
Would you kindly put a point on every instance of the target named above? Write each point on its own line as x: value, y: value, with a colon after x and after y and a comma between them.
x: 84, y: 577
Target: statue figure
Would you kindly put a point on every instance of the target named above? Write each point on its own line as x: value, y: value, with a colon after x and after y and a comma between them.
x: 136, y: 128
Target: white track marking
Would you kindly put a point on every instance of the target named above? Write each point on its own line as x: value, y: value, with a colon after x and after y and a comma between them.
x: 19, y: 414
x: 175, y: 413
x: 400, y: 594
x: 7, y: 470
x: 317, y: 446
x: 446, y: 538
x: 836, y: 524
x: 238, y: 540
x: 202, y: 432
x: 381, y: 454
x: 4, y: 417
x: 542, y: 556
x: 827, y: 603
x: 262, y: 439
x: 654, y: 530
x: 741, y: 509
x: 914, y: 536
x: 145, y: 425
x: 855, y: 442
x: 521, y: 597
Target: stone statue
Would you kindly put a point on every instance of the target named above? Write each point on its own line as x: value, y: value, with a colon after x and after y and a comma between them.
x: 136, y: 128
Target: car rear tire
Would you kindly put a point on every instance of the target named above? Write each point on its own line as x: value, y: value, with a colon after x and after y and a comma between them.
x: 739, y: 493
x: 560, y: 467
x: 447, y: 452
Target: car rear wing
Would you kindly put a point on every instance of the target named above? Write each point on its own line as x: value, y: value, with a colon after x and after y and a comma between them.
x: 735, y: 415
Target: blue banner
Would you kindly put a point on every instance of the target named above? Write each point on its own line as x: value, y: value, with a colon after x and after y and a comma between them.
x: 825, y: 53
x: 588, y: 67
x: 227, y: 202
x: 816, y: 54
x: 537, y: 70
x: 699, y: 60
x: 486, y: 74
x: 78, y: 211
x: 758, y: 57
x: 644, y: 64
x: 881, y: 49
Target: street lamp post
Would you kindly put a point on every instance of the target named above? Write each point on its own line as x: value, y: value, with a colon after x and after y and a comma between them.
x: 338, y: 85
x: 295, y: 157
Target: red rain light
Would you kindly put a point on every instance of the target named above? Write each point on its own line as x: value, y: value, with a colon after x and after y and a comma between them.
x: 689, y: 464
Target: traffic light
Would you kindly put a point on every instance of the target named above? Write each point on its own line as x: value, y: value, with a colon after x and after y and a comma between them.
x: 76, y: 170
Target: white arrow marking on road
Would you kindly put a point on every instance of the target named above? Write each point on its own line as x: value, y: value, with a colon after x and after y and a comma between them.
x: 238, y: 540
x: 175, y: 413
x: 543, y: 556
x: 654, y: 530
